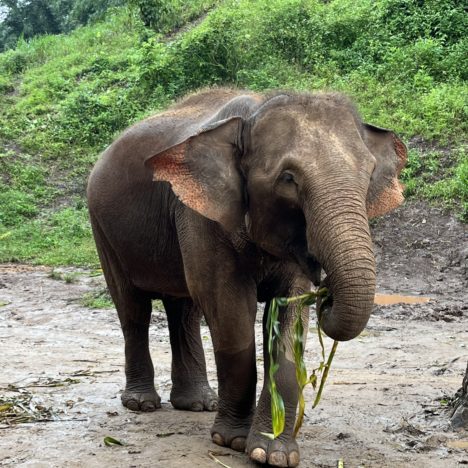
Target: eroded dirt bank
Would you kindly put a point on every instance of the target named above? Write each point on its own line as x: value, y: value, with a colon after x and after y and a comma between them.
x: 384, y: 404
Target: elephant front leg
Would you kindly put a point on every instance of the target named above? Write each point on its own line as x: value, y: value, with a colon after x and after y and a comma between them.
x: 227, y: 295
x: 190, y: 388
x: 282, y: 451
x: 232, y: 328
x: 237, y: 381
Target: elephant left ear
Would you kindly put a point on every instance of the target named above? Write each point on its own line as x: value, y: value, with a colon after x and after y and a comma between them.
x: 385, y: 190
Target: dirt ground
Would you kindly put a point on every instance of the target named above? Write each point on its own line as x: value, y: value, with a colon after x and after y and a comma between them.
x: 385, y: 403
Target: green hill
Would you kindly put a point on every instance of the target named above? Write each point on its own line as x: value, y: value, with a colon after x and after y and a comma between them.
x: 63, y: 98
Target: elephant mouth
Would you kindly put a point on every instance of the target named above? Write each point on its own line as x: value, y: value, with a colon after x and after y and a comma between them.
x: 311, y: 268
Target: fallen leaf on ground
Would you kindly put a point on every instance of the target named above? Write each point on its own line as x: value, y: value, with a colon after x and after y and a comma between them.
x: 110, y: 441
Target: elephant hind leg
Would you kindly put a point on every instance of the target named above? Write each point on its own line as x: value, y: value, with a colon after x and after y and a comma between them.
x: 134, y: 311
x: 190, y: 388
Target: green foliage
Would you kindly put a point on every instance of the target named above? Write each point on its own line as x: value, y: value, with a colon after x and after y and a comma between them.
x: 156, y: 14
x: 68, y: 278
x: 342, y: 45
x: 164, y: 16
x: 22, y: 188
x: 278, y: 412
x: 440, y: 174
x: 413, y: 19
x: 99, y: 299
x: 64, y: 98
x: 57, y: 238
x: 276, y: 342
x: 29, y: 18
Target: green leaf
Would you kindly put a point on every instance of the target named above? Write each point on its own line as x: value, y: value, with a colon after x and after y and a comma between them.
x: 110, y: 441
x: 282, y: 301
x: 325, y: 374
x: 278, y: 414
x: 298, y: 347
x: 310, y: 301
x: 6, y: 407
x: 300, y: 414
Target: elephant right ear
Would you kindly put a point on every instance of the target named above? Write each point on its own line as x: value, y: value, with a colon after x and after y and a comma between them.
x: 385, y: 190
x: 203, y: 171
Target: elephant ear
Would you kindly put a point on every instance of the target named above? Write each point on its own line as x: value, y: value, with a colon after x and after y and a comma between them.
x: 203, y: 172
x: 385, y: 190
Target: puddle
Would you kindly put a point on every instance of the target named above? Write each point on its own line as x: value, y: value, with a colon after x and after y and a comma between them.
x: 389, y: 299
x: 458, y: 444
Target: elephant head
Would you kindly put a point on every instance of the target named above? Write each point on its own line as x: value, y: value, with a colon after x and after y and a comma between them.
x: 302, y: 174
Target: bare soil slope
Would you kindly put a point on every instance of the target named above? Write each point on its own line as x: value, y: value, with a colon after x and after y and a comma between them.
x: 384, y: 404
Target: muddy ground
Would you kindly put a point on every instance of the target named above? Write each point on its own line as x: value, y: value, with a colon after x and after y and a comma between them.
x: 385, y: 403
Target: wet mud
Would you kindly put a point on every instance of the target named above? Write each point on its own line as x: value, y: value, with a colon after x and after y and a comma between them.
x: 391, y: 299
x: 385, y: 403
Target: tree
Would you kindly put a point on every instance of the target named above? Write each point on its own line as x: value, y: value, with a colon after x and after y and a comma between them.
x: 29, y: 18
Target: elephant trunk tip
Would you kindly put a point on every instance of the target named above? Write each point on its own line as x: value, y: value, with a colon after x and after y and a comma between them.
x: 341, y: 321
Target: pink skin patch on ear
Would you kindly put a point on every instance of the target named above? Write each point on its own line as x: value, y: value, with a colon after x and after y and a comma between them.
x: 170, y: 166
x: 392, y: 196
x: 400, y: 150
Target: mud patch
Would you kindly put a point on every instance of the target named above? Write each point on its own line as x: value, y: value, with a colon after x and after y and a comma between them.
x: 385, y: 403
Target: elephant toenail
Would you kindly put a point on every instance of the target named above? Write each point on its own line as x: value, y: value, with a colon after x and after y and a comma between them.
x: 238, y: 444
x: 278, y: 459
x: 148, y: 406
x: 258, y: 455
x: 212, y: 406
x: 294, y: 458
x: 197, y: 406
x: 132, y: 405
x: 218, y: 439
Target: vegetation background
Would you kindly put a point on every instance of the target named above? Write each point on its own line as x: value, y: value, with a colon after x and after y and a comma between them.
x: 74, y: 73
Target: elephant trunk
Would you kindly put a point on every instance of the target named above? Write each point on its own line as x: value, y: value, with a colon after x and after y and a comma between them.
x: 338, y: 236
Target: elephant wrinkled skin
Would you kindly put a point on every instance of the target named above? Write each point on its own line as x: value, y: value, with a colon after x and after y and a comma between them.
x: 226, y: 199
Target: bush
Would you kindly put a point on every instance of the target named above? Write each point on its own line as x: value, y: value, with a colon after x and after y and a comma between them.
x: 64, y: 98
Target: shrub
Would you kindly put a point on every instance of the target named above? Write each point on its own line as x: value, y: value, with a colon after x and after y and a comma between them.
x: 64, y: 98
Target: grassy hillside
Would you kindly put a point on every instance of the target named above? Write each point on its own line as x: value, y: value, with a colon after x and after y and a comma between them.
x: 64, y: 98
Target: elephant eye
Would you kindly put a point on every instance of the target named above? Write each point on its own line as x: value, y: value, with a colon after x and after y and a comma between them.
x: 287, y: 177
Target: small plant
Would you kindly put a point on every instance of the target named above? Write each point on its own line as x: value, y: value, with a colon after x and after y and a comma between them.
x: 99, y: 299
x: 277, y: 404
x: 69, y: 278
x: 55, y: 275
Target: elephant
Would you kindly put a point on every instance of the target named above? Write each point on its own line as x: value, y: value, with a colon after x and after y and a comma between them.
x: 227, y: 199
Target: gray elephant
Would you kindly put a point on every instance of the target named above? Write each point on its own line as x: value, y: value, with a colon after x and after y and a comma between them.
x: 226, y: 199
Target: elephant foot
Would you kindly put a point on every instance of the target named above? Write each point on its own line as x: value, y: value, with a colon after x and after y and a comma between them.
x: 194, y: 397
x: 282, y: 451
x: 233, y: 435
x: 141, y: 401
